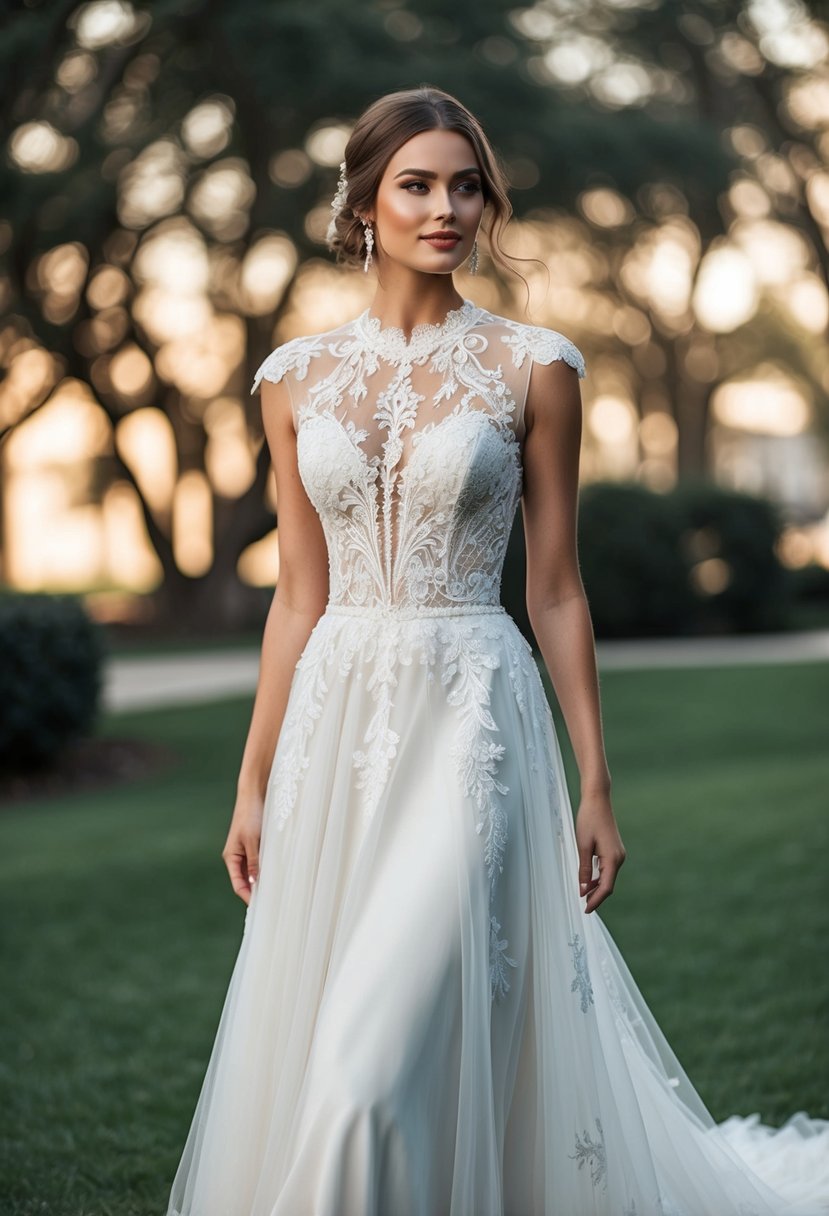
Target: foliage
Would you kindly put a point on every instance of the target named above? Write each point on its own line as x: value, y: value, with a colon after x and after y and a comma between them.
x: 674, y: 112
x: 811, y: 584
x: 51, y: 657
x: 120, y: 107
x: 734, y: 535
x: 634, y: 573
x: 696, y: 559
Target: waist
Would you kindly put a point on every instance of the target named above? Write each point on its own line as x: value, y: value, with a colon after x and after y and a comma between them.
x: 411, y: 611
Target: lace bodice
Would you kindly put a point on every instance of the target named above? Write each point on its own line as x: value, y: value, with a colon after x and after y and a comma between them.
x: 410, y: 451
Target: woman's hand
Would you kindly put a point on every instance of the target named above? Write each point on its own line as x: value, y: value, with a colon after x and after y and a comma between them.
x: 241, y: 851
x: 597, y: 833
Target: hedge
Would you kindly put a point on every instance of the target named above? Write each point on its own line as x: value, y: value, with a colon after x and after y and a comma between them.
x: 51, y: 660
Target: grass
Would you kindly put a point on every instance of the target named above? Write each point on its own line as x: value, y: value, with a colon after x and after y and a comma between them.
x: 722, y: 906
x: 146, y: 646
x: 122, y: 930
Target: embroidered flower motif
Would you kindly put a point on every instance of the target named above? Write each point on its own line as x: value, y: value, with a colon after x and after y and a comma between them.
x: 544, y: 345
x: 593, y: 1153
x: 499, y: 960
x: 581, y: 983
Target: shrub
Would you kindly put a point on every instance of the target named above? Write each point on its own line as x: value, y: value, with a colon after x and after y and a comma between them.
x: 811, y: 585
x: 633, y: 568
x: 50, y: 676
x: 697, y: 559
x: 729, y: 539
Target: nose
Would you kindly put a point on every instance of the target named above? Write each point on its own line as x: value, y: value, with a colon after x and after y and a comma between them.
x: 448, y: 213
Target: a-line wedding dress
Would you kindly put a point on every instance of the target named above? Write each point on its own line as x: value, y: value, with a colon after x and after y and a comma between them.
x: 422, y: 1020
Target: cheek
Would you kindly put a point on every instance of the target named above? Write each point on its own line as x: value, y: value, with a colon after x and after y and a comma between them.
x: 402, y: 210
x: 470, y: 205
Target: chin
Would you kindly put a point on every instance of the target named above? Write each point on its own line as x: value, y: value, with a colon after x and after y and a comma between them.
x: 448, y: 263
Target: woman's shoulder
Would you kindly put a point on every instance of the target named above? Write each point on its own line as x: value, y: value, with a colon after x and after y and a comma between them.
x: 536, y: 342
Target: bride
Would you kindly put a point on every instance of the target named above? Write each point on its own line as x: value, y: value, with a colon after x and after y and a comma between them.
x: 426, y: 1016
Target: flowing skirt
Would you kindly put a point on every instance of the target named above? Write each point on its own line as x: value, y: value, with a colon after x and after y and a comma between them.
x: 422, y: 1020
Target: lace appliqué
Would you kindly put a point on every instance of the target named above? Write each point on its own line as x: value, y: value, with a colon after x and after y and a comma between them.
x: 544, y: 346
x: 294, y: 356
x: 305, y: 705
x: 581, y: 983
x: 499, y: 960
x: 423, y: 528
x: 593, y: 1153
x: 524, y: 674
x: 434, y: 529
x: 458, y: 656
x: 477, y: 755
x: 390, y: 343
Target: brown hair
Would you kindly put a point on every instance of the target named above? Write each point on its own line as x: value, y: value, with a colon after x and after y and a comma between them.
x: 383, y: 128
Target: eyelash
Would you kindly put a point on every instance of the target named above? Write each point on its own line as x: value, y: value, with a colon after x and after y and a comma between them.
x: 474, y: 185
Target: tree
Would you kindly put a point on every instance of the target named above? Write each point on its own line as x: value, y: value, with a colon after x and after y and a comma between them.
x: 124, y: 121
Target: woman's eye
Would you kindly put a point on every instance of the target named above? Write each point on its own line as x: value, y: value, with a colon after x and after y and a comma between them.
x: 473, y: 186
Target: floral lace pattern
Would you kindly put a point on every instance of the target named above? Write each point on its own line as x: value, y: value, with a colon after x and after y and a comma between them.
x: 581, y: 982
x: 409, y: 450
x: 423, y: 517
x: 592, y: 1153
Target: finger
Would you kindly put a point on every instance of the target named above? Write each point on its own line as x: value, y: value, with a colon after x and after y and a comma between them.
x: 607, y: 883
x: 586, y: 869
x: 237, y: 870
x: 598, y: 896
x: 252, y: 847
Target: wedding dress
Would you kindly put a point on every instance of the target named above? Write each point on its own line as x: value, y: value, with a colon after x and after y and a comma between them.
x: 422, y: 1020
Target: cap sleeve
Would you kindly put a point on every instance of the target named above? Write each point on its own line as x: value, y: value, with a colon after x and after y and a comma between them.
x: 287, y: 357
x: 530, y: 344
x: 548, y: 345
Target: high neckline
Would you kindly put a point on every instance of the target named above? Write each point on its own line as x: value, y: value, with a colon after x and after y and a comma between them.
x: 391, y: 342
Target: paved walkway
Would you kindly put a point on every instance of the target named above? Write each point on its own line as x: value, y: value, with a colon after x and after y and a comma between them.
x: 209, y: 675
x: 144, y: 683
x: 811, y: 646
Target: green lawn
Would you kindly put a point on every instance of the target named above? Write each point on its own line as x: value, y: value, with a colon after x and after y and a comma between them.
x: 121, y: 928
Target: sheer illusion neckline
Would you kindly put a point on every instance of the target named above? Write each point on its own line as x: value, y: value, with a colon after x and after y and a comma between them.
x: 391, y: 342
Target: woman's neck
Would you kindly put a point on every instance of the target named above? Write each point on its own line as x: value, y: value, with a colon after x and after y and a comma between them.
x: 422, y: 303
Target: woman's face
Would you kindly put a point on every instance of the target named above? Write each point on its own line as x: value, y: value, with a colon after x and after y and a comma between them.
x: 431, y: 184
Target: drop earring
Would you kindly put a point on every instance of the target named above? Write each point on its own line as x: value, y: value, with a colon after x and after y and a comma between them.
x: 369, y: 235
x: 473, y: 258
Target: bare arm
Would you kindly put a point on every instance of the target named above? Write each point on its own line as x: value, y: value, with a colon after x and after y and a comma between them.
x: 299, y: 600
x: 558, y: 609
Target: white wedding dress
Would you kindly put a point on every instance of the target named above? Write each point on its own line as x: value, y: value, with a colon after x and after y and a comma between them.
x: 422, y: 1020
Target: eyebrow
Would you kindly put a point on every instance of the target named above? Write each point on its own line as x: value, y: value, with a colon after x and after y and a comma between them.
x: 429, y: 173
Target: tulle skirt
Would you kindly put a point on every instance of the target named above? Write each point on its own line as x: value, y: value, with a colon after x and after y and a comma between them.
x: 422, y: 1020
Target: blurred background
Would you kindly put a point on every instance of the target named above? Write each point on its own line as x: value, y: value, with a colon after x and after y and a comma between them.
x: 166, y: 176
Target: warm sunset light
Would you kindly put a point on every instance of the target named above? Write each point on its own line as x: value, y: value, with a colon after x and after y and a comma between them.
x: 229, y: 457
x: 259, y: 563
x: 37, y: 147
x: 147, y: 445
x: 192, y: 524
x: 187, y: 267
x: 769, y: 403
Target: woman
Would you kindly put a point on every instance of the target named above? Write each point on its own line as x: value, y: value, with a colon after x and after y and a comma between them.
x: 425, y: 1016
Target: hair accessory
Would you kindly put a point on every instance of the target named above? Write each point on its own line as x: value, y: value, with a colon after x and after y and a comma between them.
x: 369, y: 233
x: 473, y: 258
x: 337, y: 203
